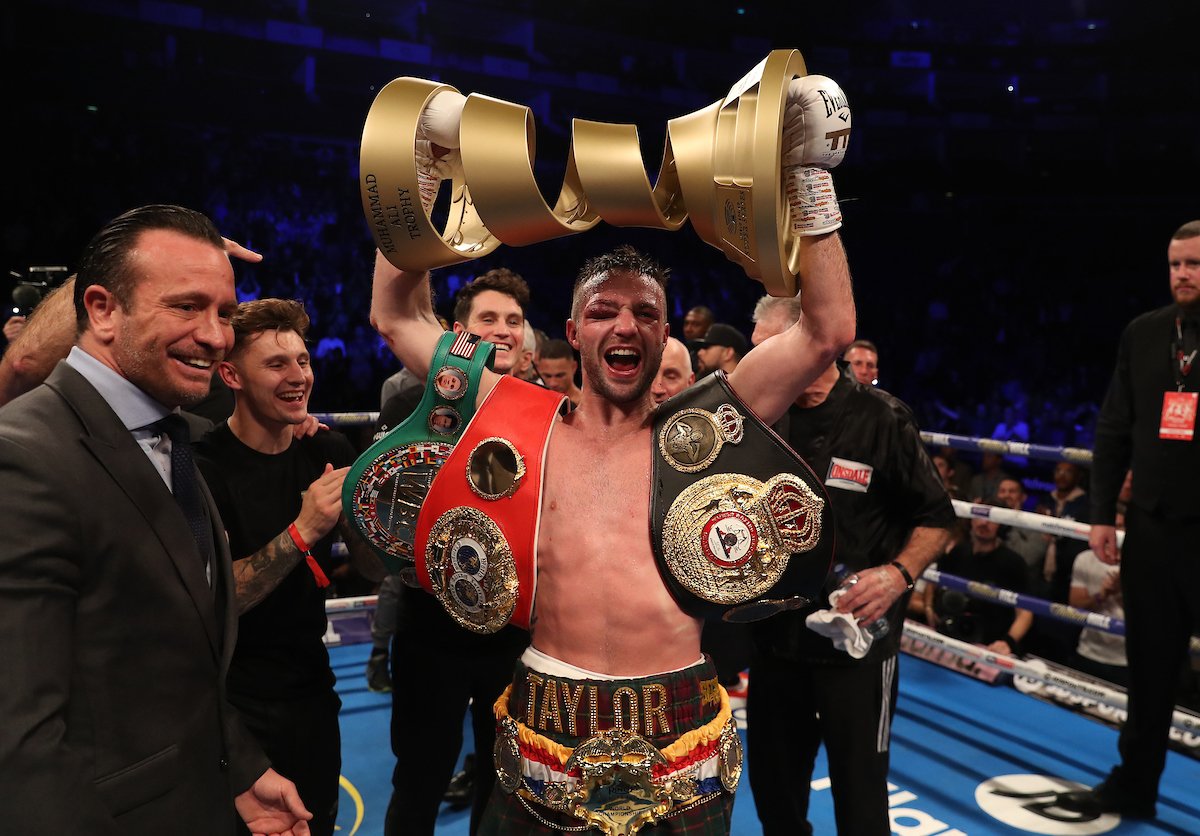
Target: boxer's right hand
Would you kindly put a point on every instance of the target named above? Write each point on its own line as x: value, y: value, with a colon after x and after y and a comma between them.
x: 437, y: 143
x: 816, y: 131
x: 816, y: 123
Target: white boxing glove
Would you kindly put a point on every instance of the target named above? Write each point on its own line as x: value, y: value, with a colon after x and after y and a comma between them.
x: 437, y: 143
x: 816, y: 131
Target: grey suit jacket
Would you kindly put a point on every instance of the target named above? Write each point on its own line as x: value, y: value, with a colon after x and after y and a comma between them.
x: 114, y: 646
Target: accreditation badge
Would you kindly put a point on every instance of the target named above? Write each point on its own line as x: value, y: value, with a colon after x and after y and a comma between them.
x: 1178, y: 416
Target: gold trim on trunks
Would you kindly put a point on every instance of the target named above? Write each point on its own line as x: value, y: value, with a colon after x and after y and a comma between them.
x: 727, y: 538
x: 692, y: 439
x: 472, y: 569
x: 617, y: 792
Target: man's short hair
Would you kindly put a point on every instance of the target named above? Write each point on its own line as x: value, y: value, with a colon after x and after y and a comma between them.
x: 704, y: 312
x: 788, y: 306
x: 1019, y: 483
x: 1191, y: 229
x: 624, y: 259
x: 107, y: 262
x: 557, y: 350
x: 867, y: 344
x: 261, y: 315
x: 499, y: 279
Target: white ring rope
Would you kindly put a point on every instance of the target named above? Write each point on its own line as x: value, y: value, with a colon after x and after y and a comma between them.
x: 1039, y: 672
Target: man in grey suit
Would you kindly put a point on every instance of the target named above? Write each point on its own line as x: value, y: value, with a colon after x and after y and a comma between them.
x: 116, y: 614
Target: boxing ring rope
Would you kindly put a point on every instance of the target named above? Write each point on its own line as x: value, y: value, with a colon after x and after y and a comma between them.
x: 1038, y: 671
x: 1013, y: 448
x: 347, y: 419
x: 1041, y: 523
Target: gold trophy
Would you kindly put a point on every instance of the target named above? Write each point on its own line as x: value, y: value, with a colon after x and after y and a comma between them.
x: 722, y: 165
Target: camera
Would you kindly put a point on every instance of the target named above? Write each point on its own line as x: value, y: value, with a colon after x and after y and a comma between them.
x: 34, y: 286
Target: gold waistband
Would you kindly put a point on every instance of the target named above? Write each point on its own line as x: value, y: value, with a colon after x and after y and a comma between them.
x: 616, y: 780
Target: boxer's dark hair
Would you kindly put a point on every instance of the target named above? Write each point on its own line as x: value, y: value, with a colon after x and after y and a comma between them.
x: 624, y: 259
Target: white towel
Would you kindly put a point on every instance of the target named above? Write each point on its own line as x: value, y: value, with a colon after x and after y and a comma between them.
x: 843, y: 628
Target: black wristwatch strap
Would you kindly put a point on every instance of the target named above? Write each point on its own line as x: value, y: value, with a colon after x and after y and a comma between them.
x: 908, y: 579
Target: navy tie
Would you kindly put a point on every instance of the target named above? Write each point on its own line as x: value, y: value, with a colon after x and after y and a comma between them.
x: 186, y: 486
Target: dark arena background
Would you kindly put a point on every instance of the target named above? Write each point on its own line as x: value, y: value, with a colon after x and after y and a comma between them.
x: 1014, y: 174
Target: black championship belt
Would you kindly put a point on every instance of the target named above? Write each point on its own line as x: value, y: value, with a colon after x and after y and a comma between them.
x: 741, y: 526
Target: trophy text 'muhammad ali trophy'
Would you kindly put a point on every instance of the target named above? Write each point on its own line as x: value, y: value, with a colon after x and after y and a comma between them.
x: 747, y: 169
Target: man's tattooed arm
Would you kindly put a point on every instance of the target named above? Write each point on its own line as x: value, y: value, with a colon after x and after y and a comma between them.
x: 257, y: 575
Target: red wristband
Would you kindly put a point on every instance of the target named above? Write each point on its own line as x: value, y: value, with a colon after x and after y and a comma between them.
x: 313, y: 566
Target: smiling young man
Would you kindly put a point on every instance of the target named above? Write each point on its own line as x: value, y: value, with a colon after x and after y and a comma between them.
x: 280, y: 500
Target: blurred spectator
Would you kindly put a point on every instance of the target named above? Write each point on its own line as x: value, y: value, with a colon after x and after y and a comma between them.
x: 1096, y: 586
x: 1031, y: 545
x: 986, y: 482
x: 863, y: 357
x: 696, y: 323
x: 722, y: 347
x: 674, y: 373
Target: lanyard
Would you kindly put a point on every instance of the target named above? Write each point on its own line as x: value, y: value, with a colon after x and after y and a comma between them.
x: 1183, y: 362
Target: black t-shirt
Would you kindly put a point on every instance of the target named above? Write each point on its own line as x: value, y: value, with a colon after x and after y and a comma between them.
x: 863, y: 444
x: 972, y: 619
x: 279, y: 650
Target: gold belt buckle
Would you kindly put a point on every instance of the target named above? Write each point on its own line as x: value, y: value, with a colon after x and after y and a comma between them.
x: 617, y: 793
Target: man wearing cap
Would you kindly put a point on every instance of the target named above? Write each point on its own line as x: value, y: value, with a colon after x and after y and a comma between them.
x: 721, y: 348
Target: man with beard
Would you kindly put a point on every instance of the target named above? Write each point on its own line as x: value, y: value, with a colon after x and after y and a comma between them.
x: 280, y: 500
x: 722, y: 347
x: 1148, y: 420
x: 116, y: 594
x: 615, y: 641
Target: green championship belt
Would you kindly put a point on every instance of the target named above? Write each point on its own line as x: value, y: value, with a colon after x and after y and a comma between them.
x: 385, y: 487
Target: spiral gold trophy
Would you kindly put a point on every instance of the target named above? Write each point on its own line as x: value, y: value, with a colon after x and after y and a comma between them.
x: 721, y: 166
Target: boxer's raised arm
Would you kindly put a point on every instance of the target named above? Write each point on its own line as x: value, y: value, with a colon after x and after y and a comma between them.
x: 816, y: 132
x: 402, y: 313
x: 772, y: 376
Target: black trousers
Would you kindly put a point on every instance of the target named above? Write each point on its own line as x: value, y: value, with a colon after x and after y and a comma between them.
x: 1160, y: 581
x: 791, y: 709
x: 438, y: 669
x: 304, y: 743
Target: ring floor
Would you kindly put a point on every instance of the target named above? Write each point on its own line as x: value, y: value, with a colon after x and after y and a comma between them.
x: 968, y: 759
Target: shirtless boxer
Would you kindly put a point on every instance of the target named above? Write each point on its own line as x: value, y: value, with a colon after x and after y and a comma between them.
x: 605, y: 626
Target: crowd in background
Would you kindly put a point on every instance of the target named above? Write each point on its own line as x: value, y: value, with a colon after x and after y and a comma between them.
x: 979, y: 337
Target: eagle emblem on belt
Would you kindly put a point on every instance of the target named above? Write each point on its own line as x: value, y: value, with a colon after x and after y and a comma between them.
x: 692, y: 438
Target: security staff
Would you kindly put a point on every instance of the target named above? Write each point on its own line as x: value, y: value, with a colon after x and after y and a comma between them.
x: 1148, y: 421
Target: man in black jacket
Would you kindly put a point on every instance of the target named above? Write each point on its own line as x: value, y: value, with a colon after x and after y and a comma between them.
x: 892, y: 513
x: 1148, y: 419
